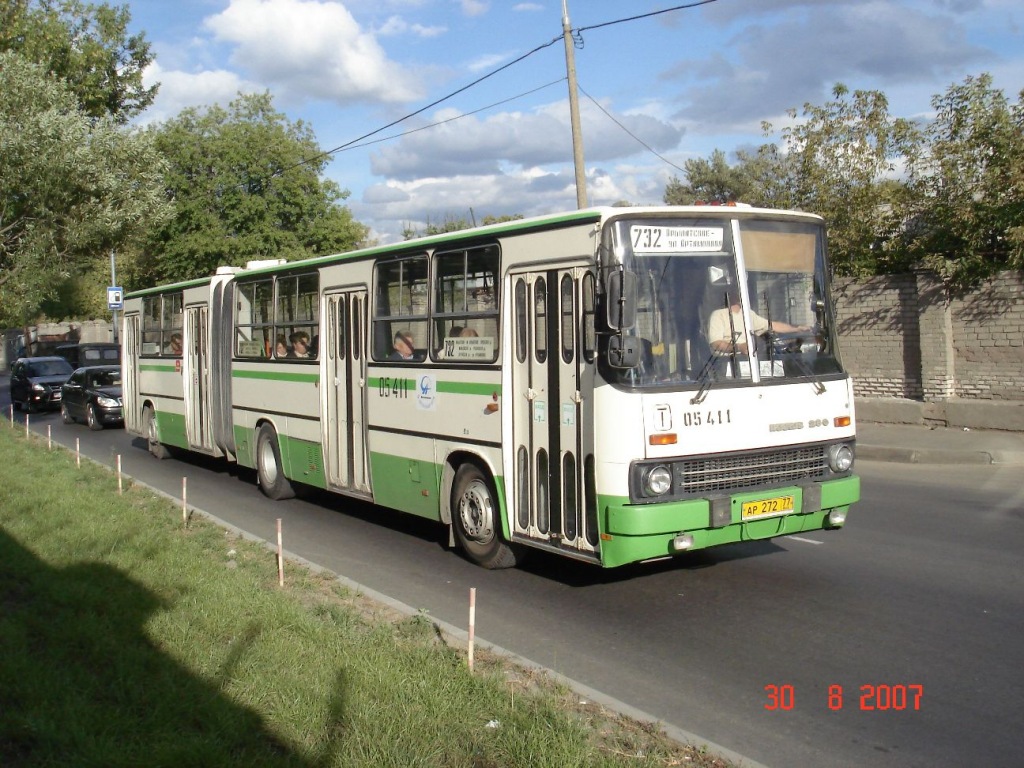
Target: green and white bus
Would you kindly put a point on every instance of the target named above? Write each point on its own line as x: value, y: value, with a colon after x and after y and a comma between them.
x: 544, y: 383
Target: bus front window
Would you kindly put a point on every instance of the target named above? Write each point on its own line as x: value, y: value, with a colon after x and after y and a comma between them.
x: 689, y: 301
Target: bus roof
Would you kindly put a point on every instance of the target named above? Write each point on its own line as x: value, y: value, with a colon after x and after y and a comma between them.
x: 537, y: 223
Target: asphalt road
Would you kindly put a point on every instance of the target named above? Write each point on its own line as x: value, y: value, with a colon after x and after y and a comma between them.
x: 894, y: 642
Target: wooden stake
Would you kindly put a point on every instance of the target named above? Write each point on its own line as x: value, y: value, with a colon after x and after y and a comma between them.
x: 280, y: 556
x: 184, y: 501
x: 78, y: 454
x: 120, y: 489
x: 49, y: 439
x: 12, y: 415
x: 26, y: 425
x: 472, y: 624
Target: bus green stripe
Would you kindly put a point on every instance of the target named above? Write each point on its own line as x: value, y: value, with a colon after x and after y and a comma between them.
x: 452, y: 387
x: 159, y: 368
x: 309, y: 378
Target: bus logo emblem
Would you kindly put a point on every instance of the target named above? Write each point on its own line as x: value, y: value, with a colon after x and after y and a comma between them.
x: 426, y: 393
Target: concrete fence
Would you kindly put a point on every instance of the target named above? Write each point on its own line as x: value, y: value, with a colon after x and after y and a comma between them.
x: 919, y: 355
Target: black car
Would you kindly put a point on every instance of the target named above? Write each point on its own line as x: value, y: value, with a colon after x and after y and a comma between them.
x: 93, y: 395
x: 36, y: 382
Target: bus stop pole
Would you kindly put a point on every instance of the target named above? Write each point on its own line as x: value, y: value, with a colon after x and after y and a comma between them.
x: 113, y: 281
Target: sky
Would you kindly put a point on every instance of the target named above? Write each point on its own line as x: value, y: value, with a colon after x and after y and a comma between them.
x: 654, y: 91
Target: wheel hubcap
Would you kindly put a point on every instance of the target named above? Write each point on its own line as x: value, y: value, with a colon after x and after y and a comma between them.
x: 476, y: 512
x: 267, y: 463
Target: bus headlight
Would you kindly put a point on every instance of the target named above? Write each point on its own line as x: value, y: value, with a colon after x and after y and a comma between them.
x: 840, y: 457
x: 658, y: 480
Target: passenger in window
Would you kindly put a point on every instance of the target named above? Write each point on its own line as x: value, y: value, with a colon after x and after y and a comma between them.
x: 281, y: 346
x: 468, y: 333
x: 404, y: 347
x: 300, y: 344
x: 173, y: 345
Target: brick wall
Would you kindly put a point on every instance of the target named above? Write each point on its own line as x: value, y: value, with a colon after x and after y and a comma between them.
x: 900, y: 337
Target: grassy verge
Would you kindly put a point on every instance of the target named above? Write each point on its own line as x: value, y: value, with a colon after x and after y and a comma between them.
x: 130, y: 640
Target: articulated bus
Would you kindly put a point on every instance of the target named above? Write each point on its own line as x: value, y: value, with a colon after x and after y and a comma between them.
x: 544, y: 383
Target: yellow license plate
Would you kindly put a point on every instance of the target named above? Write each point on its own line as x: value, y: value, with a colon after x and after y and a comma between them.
x: 778, y: 505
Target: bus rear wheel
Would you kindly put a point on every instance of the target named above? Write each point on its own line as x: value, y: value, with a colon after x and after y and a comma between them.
x: 475, y: 517
x: 269, y: 469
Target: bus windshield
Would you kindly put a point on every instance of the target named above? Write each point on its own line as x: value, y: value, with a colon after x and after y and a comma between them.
x: 697, y: 289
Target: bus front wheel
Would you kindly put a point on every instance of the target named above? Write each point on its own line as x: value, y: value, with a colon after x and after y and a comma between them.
x: 158, y: 449
x: 475, y: 517
x: 269, y: 469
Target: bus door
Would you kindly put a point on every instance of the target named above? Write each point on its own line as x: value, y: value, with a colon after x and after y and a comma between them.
x: 197, y: 373
x: 553, y: 354
x: 344, y: 361
x: 130, y: 340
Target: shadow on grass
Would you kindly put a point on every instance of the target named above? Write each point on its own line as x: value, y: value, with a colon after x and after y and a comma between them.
x: 82, y: 684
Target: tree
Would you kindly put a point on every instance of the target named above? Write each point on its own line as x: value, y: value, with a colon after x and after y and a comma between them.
x: 966, y: 207
x: 88, y: 47
x: 246, y: 184
x: 72, y: 188
x: 708, y: 181
x: 453, y: 223
x: 844, y: 154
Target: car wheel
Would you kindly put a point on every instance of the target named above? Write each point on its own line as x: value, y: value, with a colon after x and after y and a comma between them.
x: 65, y: 414
x: 158, y: 449
x: 269, y: 469
x: 92, y: 418
x: 475, y: 517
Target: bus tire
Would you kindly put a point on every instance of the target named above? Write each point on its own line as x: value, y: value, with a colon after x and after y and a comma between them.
x: 158, y: 449
x: 475, y: 518
x: 269, y: 470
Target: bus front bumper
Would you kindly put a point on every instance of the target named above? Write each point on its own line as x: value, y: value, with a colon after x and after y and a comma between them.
x: 636, y: 532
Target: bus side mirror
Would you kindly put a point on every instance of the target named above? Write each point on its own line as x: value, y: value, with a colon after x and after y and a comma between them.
x: 621, y: 300
x: 623, y: 351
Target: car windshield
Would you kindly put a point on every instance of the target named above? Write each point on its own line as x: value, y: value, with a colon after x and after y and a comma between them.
x: 49, y: 368
x: 105, y: 379
x: 689, y: 281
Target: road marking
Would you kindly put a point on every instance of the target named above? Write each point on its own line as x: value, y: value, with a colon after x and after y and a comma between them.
x: 806, y: 541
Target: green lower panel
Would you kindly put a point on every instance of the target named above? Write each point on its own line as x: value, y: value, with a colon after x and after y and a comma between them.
x: 303, y: 461
x: 245, y: 447
x: 171, y: 427
x: 406, y: 484
x: 644, y: 531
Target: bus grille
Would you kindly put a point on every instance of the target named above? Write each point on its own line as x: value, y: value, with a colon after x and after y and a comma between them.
x: 750, y: 470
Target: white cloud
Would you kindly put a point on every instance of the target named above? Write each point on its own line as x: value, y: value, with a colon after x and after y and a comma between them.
x: 179, y: 90
x: 312, y: 50
x: 527, y: 7
x: 396, y: 25
x: 474, y: 7
x: 521, y: 139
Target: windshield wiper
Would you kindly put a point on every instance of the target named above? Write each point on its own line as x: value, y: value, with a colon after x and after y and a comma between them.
x: 705, y: 379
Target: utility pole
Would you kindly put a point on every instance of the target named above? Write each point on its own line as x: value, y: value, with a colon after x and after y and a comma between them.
x: 574, y: 110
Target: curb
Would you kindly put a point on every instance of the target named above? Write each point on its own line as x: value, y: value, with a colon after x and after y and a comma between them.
x: 937, y: 456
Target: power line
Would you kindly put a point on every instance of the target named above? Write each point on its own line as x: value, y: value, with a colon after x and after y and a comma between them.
x: 636, y: 138
x: 581, y: 30
x: 450, y: 119
x: 355, y: 143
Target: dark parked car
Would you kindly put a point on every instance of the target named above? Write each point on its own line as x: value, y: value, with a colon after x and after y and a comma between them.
x: 93, y: 395
x: 36, y: 381
x: 90, y: 353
